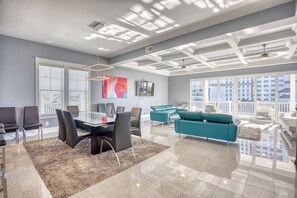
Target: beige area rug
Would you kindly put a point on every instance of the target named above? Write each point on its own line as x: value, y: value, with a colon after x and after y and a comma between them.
x: 66, y: 171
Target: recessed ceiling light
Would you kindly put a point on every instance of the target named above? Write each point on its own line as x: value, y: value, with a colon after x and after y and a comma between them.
x: 48, y: 41
x: 229, y: 34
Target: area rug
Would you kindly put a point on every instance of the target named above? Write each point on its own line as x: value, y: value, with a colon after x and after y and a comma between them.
x: 66, y: 171
x: 250, y: 131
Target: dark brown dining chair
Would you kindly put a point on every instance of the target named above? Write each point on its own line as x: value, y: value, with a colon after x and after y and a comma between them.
x: 73, y: 135
x: 74, y: 110
x: 121, y: 135
x: 62, y: 127
x: 31, y: 121
x: 120, y: 109
x: 110, y: 110
x: 8, y: 119
x: 136, y: 122
x: 101, y: 107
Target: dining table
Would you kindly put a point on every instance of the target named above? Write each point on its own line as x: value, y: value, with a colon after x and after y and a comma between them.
x: 97, y: 124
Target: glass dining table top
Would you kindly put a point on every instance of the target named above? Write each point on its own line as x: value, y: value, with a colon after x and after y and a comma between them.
x: 95, y: 118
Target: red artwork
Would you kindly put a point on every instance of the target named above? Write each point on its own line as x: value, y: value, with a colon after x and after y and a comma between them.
x: 114, y: 87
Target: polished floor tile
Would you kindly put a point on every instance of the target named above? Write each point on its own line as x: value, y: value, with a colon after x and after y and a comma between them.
x: 191, y: 167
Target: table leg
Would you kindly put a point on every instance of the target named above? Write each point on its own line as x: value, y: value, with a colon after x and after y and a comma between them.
x: 95, y: 145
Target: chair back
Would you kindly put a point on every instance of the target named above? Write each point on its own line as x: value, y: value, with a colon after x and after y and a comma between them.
x: 31, y: 115
x: 62, y: 127
x: 110, y: 109
x: 120, y: 109
x: 121, y: 136
x: 8, y: 115
x: 101, y: 108
x: 74, y: 110
x: 71, y: 132
x: 136, y: 113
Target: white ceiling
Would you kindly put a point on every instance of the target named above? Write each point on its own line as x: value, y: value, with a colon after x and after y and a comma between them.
x: 235, y: 50
x: 129, y: 24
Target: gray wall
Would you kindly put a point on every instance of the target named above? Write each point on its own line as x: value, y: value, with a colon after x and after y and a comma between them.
x: 161, y: 90
x: 179, y: 86
x: 17, y: 75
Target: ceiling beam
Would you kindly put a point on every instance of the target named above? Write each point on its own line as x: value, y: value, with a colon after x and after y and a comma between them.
x: 158, y: 59
x: 269, y: 50
x: 146, y: 63
x: 233, y: 43
x: 197, y: 57
x: 292, y: 43
x: 214, y: 48
x: 222, y: 58
x: 281, y: 14
x: 267, y: 38
x: 163, y: 67
x: 172, y: 57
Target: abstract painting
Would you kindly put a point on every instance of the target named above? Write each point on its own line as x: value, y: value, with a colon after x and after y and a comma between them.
x: 114, y: 87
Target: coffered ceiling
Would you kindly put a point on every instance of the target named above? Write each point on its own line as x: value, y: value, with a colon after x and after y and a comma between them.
x: 128, y: 24
x: 234, y: 50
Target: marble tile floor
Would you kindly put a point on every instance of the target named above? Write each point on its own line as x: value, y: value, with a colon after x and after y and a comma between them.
x: 191, y: 167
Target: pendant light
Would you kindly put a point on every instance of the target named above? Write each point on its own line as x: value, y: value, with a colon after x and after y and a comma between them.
x: 183, y: 67
x: 264, y: 55
x: 97, y: 67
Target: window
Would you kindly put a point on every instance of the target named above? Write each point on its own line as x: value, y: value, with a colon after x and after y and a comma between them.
x: 59, y: 86
x: 78, y: 89
x: 51, y: 89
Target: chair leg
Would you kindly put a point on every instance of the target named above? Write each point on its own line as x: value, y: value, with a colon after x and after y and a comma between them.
x: 113, y: 151
x: 24, y: 135
x: 17, y: 136
x: 117, y: 158
x: 41, y: 129
x: 38, y: 134
x: 179, y: 136
x: 133, y: 152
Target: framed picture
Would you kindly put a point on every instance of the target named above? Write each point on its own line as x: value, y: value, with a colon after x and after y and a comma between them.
x: 115, y: 87
x: 144, y: 88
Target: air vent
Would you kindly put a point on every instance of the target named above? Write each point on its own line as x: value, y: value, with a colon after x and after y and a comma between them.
x: 149, y: 49
x: 96, y: 25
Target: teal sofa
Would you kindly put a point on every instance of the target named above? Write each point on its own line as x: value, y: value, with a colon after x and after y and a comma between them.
x: 164, y: 113
x: 217, y: 126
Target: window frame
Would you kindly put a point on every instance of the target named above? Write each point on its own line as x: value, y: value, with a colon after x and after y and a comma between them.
x: 66, y: 66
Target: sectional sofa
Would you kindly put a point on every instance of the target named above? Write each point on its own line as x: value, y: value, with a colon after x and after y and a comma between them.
x: 210, y: 125
x: 165, y: 113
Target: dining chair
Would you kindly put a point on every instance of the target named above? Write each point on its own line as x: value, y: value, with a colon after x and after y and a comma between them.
x: 74, y: 110
x: 31, y: 121
x: 110, y: 109
x: 62, y: 127
x: 101, y: 107
x: 73, y: 135
x: 121, y: 135
x: 8, y: 119
x: 136, y: 122
x: 120, y: 109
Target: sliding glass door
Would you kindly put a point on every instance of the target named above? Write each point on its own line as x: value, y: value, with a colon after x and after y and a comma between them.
x: 197, y: 95
x: 245, y: 97
x: 262, y: 97
x: 226, y: 96
x: 265, y: 104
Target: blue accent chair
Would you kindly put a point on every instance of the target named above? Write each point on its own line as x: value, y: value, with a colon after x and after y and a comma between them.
x: 216, y: 126
x: 164, y: 113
